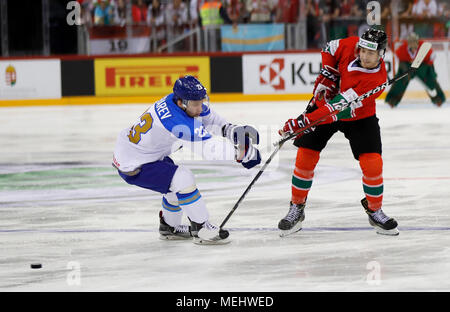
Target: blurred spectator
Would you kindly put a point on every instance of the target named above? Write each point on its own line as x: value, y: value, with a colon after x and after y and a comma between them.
x: 236, y: 11
x: 287, y: 11
x: 346, y: 8
x: 176, y: 13
x: 139, y: 11
x: 446, y: 16
x: 349, y: 17
x: 260, y: 10
x: 193, y: 13
x: 423, y: 10
x: 313, y: 23
x: 385, y: 9
x: 212, y: 12
x: 155, y: 14
x: 121, y: 13
x: 156, y: 18
x: 404, y: 11
x: 103, y: 13
x: 329, y: 11
x: 441, y: 8
x: 439, y: 28
x: 87, y: 8
x: 405, y: 8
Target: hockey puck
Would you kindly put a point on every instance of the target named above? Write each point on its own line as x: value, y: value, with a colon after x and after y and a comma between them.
x: 36, y: 265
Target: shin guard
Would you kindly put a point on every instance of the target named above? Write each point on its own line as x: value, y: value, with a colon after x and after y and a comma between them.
x: 372, y: 168
x: 171, y: 211
x: 303, y: 174
x: 193, y: 205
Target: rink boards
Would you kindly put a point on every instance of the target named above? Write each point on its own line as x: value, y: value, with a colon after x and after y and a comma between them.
x: 142, y: 79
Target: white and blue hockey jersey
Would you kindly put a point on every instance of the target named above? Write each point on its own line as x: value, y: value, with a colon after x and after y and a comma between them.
x: 163, y: 129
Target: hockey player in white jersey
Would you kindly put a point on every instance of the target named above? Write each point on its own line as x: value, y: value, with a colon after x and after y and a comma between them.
x: 183, y: 117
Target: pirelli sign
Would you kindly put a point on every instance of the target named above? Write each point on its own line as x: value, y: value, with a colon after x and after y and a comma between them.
x: 146, y: 76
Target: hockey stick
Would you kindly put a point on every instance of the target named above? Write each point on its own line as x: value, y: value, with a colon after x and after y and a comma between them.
x: 415, y: 64
x: 213, y: 234
x: 277, y: 148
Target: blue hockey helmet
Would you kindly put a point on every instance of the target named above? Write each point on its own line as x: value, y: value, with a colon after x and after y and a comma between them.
x: 189, y: 88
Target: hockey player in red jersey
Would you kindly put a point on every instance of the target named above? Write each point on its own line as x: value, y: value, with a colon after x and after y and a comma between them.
x: 351, y: 67
x: 426, y: 73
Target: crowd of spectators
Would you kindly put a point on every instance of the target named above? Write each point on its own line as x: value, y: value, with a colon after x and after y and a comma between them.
x: 325, y: 19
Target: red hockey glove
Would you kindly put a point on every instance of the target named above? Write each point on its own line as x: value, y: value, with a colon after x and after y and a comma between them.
x: 294, y: 125
x: 327, y: 83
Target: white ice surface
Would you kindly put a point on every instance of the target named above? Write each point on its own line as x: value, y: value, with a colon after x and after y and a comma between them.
x: 63, y: 205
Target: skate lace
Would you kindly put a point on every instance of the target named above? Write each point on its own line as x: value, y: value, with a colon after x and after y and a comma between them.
x: 210, y: 226
x: 293, y: 213
x: 182, y: 228
x: 379, y: 216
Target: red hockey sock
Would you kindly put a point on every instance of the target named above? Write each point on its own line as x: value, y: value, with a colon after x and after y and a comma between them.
x: 372, y: 168
x: 303, y: 174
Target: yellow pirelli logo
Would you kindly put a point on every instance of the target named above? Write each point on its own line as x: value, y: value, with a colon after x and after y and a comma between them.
x: 146, y: 76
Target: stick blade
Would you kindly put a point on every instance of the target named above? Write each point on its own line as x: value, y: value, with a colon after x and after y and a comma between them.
x: 210, y: 237
x: 423, y: 51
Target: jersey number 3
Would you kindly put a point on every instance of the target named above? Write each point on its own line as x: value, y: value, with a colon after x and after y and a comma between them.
x: 137, y: 130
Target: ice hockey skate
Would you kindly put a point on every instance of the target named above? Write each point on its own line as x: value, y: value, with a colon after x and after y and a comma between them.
x: 382, y: 223
x: 167, y: 232
x: 293, y: 221
x: 208, y: 234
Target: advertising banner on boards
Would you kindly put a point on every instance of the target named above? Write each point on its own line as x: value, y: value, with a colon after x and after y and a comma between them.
x: 296, y: 72
x: 146, y: 76
x: 30, y: 79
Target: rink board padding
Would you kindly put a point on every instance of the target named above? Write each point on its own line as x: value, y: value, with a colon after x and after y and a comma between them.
x: 226, y: 74
x: 77, y: 77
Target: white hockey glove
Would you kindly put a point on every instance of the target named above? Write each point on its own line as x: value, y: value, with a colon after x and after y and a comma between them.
x: 247, y: 155
x: 237, y: 134
x: 243, y: 138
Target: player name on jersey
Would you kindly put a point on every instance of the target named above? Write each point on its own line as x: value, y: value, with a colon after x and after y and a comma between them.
x: 162, y: 110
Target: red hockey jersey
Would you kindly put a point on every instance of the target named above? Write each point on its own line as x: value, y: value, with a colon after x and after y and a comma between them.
x: 405, y: 55
x: 342, y: 54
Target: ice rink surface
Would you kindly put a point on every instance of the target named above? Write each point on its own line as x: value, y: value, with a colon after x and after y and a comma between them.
x: 63, y: 205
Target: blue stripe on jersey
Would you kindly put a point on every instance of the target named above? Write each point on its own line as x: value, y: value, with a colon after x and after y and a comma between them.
x: 175, y: 120
x: 172, y: 208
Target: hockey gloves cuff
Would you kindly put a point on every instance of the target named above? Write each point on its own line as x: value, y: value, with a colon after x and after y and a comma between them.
x: 238, y: 134
x: 294, y: 125
x: 243, y: 137
x: 343, y: 102
x: 247, y: 155
x: 327, y: 83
